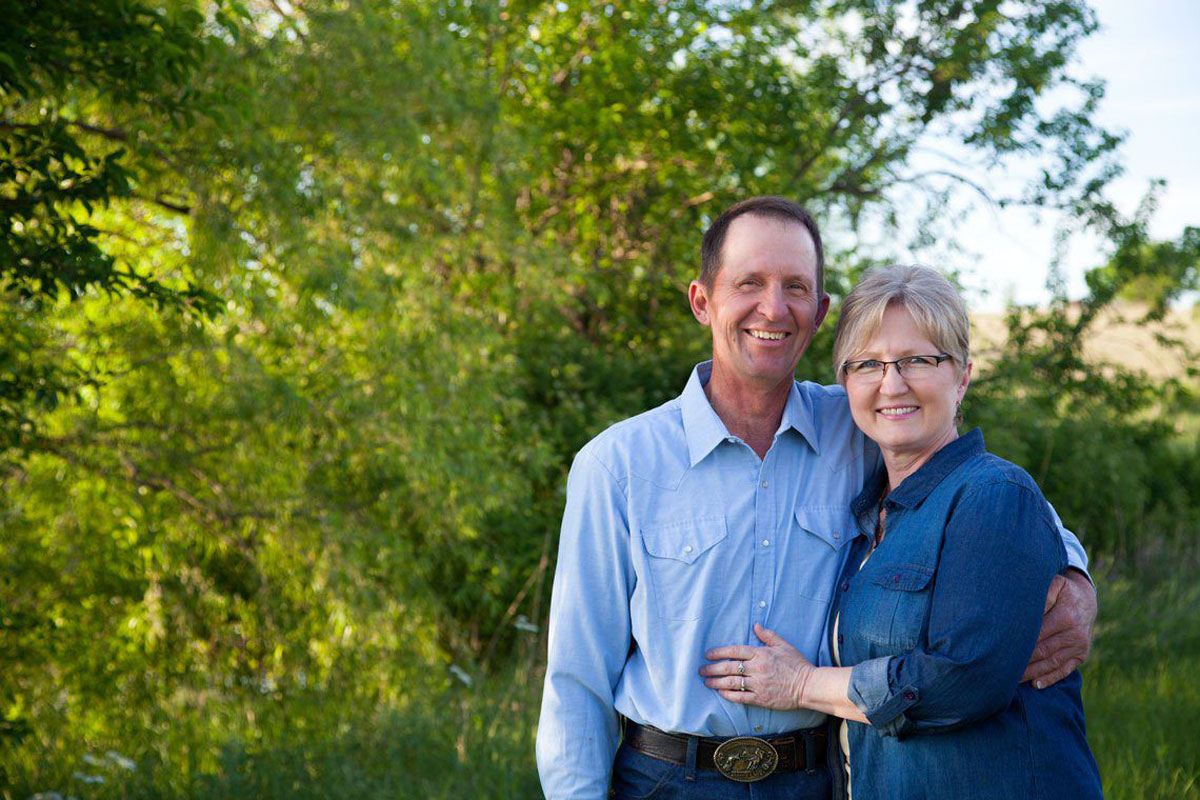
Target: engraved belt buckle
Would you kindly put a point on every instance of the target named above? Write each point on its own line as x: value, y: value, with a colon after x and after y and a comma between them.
x: 746, y: 759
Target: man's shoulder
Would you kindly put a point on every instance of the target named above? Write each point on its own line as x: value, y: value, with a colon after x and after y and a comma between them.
x: 647, y: 438
x: 838, y: 438
x: 824, y: 398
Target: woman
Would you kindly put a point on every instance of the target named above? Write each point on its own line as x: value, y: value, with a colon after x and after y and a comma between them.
x: 940, y: 603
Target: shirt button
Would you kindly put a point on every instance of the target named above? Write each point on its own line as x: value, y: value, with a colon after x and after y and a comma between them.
x: 758, y: 728
x: 840, y: 638
x: 764, y: 484
x: 845, y: 586
x: 837, y: 534
x: 910, y: 695
x: 766, y: 542
x: 762, y: 603
x: 687, y: 549
x: 895, y: 579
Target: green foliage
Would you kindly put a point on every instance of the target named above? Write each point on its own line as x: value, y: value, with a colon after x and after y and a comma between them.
x: 91, y: 95
x: 1147, y: 647
x: 478, y: 741
x: 450, y: 242
x: 1097, y: 433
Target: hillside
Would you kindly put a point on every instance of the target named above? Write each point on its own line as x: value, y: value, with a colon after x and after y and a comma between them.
x: 1117, y: 338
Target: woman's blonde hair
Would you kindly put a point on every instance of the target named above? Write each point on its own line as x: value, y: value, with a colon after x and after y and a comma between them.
x: 935, y: 305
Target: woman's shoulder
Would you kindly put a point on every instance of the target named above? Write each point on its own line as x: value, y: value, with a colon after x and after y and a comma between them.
x: 990, y: 480
x: 989, y: 470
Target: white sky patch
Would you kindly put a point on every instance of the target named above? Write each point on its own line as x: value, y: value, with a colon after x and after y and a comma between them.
x: 1147, y: 54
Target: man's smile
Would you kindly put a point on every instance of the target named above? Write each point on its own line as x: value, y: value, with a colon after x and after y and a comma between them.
x: 768, y: 335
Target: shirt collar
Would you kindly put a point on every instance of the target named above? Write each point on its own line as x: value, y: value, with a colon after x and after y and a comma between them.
x: 705, y: 430
x: 916, y: 487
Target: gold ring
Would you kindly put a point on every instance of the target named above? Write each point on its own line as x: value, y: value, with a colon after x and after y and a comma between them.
x: 741, y: 668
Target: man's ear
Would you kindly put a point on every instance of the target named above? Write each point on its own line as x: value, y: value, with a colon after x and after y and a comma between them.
x: 698, y: 299
x: 822, y: 310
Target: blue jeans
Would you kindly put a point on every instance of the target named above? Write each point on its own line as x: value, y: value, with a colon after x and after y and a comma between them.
x: 638, y: 777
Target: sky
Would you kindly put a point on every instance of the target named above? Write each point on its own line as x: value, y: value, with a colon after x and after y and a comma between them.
x: 1149, y: 54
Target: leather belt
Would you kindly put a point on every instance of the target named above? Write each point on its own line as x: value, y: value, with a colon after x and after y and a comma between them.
x: 742, y: 758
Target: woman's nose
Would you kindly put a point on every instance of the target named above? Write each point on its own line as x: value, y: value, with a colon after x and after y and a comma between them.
x: 893, y: 382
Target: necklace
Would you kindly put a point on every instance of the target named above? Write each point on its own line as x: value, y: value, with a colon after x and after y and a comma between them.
x: 880, y: 519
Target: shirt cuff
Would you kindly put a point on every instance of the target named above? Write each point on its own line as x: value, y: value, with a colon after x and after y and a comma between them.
x: 872, y: 692
x: 1077, y: 559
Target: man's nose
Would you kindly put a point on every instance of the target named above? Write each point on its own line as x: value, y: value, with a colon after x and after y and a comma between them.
x: 773, y: 304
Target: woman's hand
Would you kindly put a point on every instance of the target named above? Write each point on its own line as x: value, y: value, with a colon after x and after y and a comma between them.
x: 771, y: 676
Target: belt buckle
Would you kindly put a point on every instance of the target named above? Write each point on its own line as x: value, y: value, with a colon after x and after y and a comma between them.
x: 746, y: 759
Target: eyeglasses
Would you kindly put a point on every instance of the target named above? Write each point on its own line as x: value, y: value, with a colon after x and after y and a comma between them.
x: 911, y: 367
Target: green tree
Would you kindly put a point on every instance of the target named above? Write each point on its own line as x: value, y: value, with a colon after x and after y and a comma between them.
x: 451, y: 241
x: 91, y: 93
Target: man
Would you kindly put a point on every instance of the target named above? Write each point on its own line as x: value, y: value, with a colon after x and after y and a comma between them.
x: 688, y: 524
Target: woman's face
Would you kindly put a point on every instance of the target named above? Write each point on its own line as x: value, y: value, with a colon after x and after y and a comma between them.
x: 912, y: 415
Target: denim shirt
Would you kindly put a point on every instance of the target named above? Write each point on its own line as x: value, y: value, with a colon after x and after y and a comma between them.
x: 939, y: 625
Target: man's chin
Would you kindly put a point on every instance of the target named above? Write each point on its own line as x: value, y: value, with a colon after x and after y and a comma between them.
x: 768, y: 377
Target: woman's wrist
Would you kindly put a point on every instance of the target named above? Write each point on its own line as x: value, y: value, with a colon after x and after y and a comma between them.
x: 801, y: 685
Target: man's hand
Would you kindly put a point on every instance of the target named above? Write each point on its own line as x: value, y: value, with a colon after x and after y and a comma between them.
x: 1066, y: 637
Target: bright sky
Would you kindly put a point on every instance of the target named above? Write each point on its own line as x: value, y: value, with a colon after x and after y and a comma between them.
x: 1149, y: 54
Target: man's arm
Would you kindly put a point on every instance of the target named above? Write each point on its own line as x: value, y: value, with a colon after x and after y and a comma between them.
x: 1066, y: 636
x: 589, y: 636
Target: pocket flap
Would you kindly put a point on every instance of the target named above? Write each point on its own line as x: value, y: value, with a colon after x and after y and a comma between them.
x: 684, y: 541
x: 833, y: 525
x: 903, y: 577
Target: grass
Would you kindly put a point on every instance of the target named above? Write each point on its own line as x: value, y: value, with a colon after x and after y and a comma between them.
x: 1141, y: 693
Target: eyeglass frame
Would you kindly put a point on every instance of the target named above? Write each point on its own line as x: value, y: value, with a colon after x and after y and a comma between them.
x: 937, y: 362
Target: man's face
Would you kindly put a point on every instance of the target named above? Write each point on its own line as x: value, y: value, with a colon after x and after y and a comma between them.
x: 763, y: 306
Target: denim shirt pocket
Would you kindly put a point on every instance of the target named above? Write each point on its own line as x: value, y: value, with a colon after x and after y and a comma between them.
x: 899, y: 605
x: 686, y: 568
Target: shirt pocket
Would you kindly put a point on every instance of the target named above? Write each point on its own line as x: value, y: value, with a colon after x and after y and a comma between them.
x: 828, y: 529
x: 687, y: 566
x: 899, y: 608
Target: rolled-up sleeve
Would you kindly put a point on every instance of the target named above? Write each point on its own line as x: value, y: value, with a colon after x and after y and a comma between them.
x: 589, y: 636
x: 1000, y: 551
x: 1076, y: 556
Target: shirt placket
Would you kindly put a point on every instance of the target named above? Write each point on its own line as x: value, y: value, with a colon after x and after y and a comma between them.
x: 762, y: 580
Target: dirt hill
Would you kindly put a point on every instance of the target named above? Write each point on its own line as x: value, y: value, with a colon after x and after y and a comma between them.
x: 1116, y: 337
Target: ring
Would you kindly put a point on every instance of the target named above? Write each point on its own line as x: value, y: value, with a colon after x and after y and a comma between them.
x: 743, y: 684
x: 741, y: 668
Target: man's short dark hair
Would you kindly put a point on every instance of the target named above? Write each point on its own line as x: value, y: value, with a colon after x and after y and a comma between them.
x: 779, y: 208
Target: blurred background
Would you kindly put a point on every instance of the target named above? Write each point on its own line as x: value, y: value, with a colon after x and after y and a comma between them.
x: 306, y: 306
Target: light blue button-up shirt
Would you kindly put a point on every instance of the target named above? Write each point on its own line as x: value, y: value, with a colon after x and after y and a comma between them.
x: 677, y: 538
